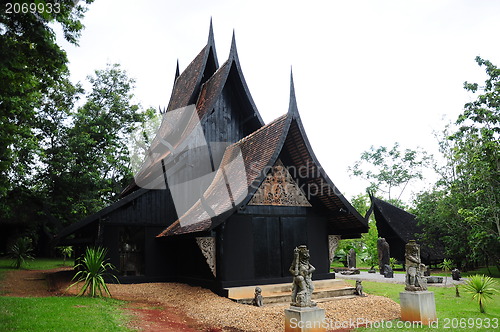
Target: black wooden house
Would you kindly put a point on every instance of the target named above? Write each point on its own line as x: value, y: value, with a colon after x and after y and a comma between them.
x: 267, y: 193
x: 398, y: 227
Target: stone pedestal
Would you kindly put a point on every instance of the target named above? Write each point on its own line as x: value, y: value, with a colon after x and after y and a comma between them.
x: 418, y: 307
x: 307, y: 319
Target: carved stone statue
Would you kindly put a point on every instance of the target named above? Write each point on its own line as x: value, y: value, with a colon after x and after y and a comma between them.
x: 383, y: 254
x: 415, y: 280
x: 302, y: 270
x: 257, y: 300
x: 455, y: 274
x: 351, y: 259
x: 359, y: 288
x: 388, y: 272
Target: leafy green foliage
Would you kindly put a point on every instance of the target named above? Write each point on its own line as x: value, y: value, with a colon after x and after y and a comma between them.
x: 390, y: 169
x: 482, y: 289
x: 392, y: 262
x: 30, y: 62
x: 78, y: 147
x: 463, y: 210
x: 66, y: 251
x: 366, y: 246
x: 21, y: 251
x: 94, y: 268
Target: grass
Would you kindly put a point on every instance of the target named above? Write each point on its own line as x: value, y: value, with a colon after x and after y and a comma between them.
x: 62, y: 314
x: 449, y: 309
x: 58, y: 313
x: 37, y: 264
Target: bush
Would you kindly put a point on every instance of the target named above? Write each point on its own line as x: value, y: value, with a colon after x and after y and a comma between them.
x: 93, y: 268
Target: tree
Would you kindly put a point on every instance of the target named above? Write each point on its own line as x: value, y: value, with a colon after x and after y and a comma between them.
x: 81, y: 147
x: 30, y: 63
x: 100, y: 165
x: 464, y: 207
x: 390, y: 169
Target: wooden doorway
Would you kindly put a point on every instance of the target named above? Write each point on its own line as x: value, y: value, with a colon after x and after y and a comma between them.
x: 274, y: 240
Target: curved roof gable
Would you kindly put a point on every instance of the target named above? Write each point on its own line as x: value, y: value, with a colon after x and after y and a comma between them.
x: 259, y: 152
x: 187, y: 84
x: 212, y: 88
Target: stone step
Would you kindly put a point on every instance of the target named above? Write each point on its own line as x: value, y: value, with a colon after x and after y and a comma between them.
x: 281, y: 293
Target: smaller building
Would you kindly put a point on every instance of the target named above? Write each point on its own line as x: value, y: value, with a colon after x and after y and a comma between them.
x: 398, y: 227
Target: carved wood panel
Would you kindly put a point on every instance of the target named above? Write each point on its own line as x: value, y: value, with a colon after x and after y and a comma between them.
x: 279, y: 188
x: 207, y: 247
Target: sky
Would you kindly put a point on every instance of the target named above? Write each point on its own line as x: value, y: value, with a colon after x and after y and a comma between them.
x: 366, y: 73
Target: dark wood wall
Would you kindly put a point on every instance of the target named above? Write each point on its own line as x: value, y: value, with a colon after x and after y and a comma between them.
x: 255, y: 246
x: 232, y: 118
x: 154, y: 207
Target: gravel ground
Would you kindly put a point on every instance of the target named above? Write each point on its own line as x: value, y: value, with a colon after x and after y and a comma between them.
x: 204, y: 306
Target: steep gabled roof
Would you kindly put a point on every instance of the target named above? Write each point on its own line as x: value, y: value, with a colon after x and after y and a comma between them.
x: 259, y: 151
x: 404, y: 225
x: 186, y: 92
x: 187, y: 85
x: 212, y: 88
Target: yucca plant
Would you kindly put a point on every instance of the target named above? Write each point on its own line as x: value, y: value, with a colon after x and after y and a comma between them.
x: 482, y: 289
x: 446, y: 266
x: 21, y: 251
x: 93, y: 267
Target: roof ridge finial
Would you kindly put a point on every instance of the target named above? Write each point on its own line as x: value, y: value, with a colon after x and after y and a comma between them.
x: 233, y: 52
x: 177, y: 72
x: 211, y: 33
x: 292, y: 106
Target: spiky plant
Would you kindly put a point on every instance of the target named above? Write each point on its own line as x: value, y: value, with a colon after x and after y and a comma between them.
x: 21, y: 251
x: 446, y: 266
x: 482, y: 289
x: 93, y: 268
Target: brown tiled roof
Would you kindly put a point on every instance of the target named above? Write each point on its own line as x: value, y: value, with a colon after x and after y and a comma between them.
x: 211, y: 90
x: 231, y: 180
x: 184, y: 89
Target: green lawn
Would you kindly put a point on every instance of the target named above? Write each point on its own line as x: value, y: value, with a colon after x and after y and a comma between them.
x: 62, y: 314
x: 58, y: 313
x: 450, y: 309
x: 37, y: 264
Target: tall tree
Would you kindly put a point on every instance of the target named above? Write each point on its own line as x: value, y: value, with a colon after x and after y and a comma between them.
x: 30, y: 63
x: 465, y: 205
x: 390, y: 170
x: 94, y: 149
